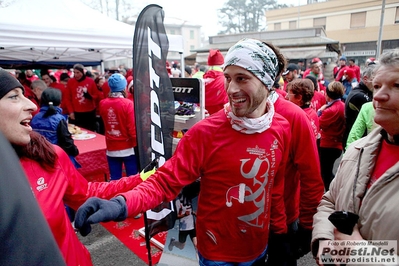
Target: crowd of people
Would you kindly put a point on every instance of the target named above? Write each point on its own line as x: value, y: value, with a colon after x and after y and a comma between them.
x: 264, y: 156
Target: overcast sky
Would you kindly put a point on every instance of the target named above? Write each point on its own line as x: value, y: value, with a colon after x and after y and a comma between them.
x: 203, y: 12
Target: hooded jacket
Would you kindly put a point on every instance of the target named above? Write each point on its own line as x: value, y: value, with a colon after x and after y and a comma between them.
x: 215, y: 94
x: 377, y: 209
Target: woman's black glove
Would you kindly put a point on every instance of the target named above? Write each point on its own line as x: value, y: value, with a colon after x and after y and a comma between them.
x: 96, y: 210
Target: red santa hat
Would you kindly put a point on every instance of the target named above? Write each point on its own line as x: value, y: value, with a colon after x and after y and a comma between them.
x: 350, y: 73
x: 215, y: 58
x: 237, y: 193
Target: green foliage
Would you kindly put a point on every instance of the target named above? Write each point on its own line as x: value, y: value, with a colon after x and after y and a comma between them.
x: 238, y: 16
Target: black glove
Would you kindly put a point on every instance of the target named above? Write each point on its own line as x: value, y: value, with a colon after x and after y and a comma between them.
x: 96, y: 210
x: 278, y: 249
x: 344, y: 221
x: 304, y: 238
x: 87, y: 96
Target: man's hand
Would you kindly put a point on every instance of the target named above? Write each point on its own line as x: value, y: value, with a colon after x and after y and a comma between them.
x: 96, y: 210
x: 304, y: 238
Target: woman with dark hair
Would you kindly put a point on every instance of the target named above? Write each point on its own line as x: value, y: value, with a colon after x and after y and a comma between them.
x: 332, y: 128
x: 99, y: 122
x: 53, y: 178
x: 50, y: 123
x: 300, y: 92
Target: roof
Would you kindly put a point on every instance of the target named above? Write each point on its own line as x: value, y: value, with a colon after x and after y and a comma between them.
x: 298, y: 43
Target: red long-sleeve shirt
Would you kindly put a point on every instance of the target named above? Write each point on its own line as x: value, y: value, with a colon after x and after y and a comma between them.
x: 303, y: 183
x: 119, y: 123
x: 242, y: 183
x: 76, y: 100
x: 67, y: 186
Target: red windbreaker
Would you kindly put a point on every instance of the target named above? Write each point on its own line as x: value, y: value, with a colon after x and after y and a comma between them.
x: 304, y: 186
x: 67, y: 185
x: 215, y: 94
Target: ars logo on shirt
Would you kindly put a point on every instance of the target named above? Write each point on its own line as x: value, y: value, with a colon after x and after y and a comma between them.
x: 41, y: 185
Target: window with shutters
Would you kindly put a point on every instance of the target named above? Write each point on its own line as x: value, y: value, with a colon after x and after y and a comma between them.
x: 319, y: 22
x: 277, y: 26
x: 358, y: 20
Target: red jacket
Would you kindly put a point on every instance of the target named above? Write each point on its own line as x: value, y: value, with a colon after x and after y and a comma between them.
x: 304, y: 186
x: 119, y: 123
x: 318, y: 100
x: 215, y: 94
x: 314, y: 121
x: 332, y: 125
x: 67, y: 186
x: 76, y: 100
x: 106, y: 89
x: 242, y: 183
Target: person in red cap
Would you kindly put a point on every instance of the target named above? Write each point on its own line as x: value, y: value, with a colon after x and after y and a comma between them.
x: 308, y: 70
x: 349, y: 81
x: 370, y: 61
x: 215, y: 95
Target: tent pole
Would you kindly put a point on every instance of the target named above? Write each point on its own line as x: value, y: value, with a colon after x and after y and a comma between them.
x: 182, y: 64
x: 102, y: 67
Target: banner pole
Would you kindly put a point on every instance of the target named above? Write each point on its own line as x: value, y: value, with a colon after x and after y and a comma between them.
x: 147, y: 239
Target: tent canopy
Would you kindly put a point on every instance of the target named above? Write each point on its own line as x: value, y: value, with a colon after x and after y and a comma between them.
x: 61, y: 33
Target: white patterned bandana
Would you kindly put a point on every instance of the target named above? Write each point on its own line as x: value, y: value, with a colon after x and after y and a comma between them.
x: 250, y: 125
x: 256, y: 57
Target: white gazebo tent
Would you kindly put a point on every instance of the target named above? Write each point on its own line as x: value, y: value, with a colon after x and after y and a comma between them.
x: 60, y: 33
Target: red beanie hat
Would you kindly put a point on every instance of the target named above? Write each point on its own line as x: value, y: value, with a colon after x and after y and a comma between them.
x: 215, y: 58
x: 350, y: 73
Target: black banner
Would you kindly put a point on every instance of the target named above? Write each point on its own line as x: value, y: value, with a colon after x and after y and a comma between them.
x: 154, y: 104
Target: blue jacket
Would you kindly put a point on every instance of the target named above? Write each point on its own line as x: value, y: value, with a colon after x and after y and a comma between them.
x: 47, y: 126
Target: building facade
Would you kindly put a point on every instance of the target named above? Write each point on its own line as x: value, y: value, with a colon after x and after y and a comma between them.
x: 355, y: 24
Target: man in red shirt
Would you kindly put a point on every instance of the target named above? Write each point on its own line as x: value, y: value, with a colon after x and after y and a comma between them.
x: 355, y: 68
x: 82, y: 94
x: 239, y: 152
